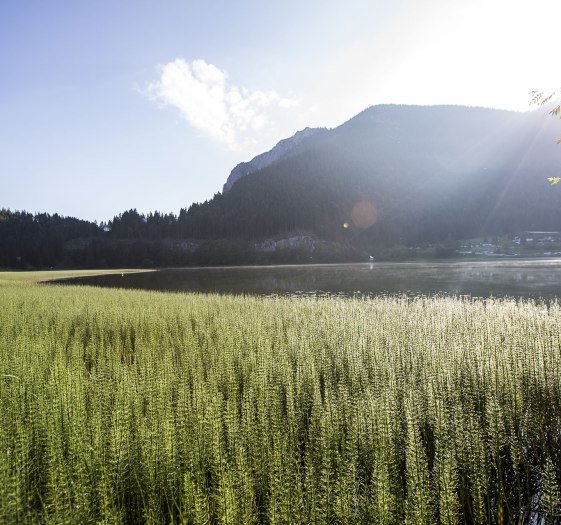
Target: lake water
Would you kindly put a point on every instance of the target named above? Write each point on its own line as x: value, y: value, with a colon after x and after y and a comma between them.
x: 519, y: 278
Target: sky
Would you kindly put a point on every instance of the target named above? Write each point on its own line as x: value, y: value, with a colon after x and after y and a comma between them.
x: 111, y: 105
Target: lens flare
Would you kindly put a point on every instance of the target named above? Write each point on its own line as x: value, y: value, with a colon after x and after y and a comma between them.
x: 364, y: 214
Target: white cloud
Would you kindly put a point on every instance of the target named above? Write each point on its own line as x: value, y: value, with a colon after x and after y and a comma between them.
x: 221, y: 111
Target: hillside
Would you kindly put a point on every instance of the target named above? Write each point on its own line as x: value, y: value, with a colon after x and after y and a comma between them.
x: 392, y: 175
x: 286, y: 148
x: 431, y: 173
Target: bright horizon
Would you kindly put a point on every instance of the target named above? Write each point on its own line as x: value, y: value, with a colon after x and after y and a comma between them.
x: 104, y: 108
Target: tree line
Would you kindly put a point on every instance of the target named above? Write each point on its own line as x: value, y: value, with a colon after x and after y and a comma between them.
x: 42, y: 240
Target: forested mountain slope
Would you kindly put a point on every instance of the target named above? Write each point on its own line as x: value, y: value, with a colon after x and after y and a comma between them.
x: 392, y: 175
x: 430, y: 172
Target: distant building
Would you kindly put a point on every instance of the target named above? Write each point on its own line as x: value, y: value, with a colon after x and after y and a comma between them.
x: 538, y: 237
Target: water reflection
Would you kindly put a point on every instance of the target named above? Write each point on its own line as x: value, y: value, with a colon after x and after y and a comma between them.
x: 518, y: 278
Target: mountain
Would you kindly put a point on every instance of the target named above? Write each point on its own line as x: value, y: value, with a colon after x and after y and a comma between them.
x: 391, y: 176
x: 429, y: 173
x: 286, y: 148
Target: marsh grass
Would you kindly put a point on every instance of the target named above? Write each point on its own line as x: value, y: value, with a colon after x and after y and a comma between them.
x: 141, y: 407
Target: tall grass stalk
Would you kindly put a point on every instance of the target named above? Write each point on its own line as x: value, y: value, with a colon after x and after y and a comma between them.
x: 143, y: 407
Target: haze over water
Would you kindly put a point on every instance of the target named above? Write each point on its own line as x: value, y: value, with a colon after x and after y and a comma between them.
x: 530, y: 278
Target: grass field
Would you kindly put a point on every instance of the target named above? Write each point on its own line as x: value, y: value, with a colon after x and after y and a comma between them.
x: 141, y: 407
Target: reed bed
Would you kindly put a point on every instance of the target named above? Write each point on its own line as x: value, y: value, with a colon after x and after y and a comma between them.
x: 141, y: 407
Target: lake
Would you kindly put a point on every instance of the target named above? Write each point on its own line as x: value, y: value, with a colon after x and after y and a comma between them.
x: 534, y: 278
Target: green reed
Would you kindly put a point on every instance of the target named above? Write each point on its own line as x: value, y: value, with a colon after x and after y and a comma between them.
x: 143, y: 407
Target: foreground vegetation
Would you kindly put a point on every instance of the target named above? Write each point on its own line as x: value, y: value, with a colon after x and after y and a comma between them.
x: 131, y: 407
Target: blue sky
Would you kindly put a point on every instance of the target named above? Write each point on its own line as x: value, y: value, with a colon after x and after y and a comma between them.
x: 109, y: 105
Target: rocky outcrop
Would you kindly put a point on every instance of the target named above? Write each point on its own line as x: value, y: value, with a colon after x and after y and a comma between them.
x: 286, y: 148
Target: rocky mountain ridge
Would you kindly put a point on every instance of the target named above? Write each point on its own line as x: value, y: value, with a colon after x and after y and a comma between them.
x: 284, y: 149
